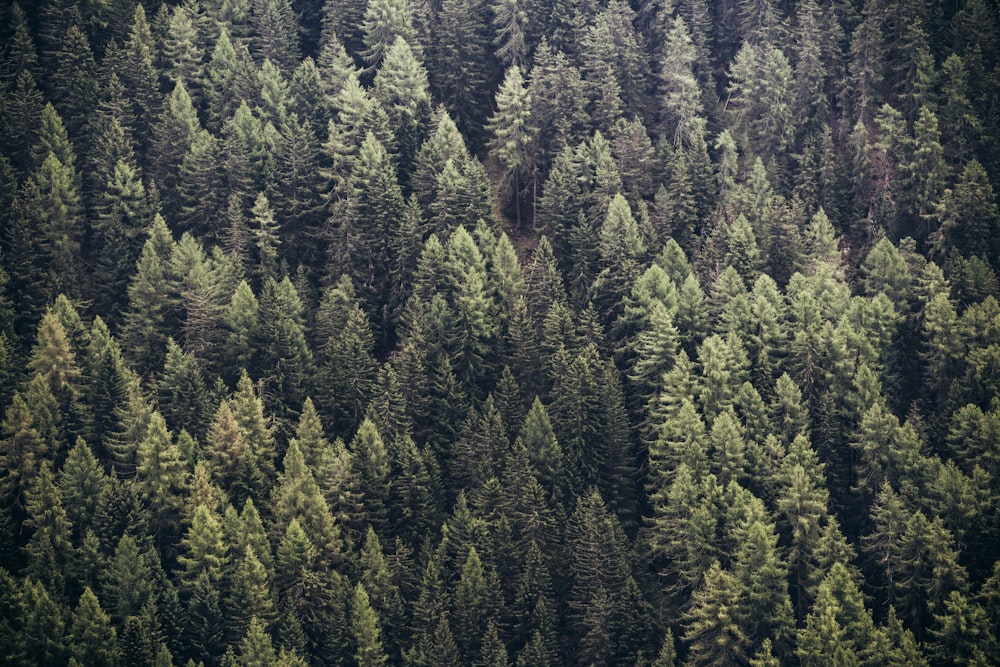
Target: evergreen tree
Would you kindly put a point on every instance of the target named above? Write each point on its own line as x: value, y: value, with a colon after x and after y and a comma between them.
x: 182, y: 49
x: 839, y: 628
x: 82, y: 482
x: 183, y: 397
x: 44, y: 626
x: 205, y: 558
x: 49, y: 550
x: 286, y: 358
x: 174, y: 134
x: 92, y: 638
x: 366, y: 631
x: 458, y: 65
x: 512, y: 133
x: 376, y: 209
x: 714, y: 630
x: 371, y: 467
x: 148, y: 321
x: 401, y: 87
x: 162, y: 477
x: 297, y: 499
x: 276, y: 33
x: 57, y: 213
x: 257, y: 648
x: 509, y: 20
x: 681, y: 96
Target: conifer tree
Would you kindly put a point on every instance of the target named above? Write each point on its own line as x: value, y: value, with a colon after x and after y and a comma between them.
x: 148, y: 321
x: 371, y: 466
x: 276, y: 33
x: 92, y: 638
x: 174, y: 133
x: 183, y: 397
x: 714, y: 623
x: 50, y: 548
x: 297, y: 498
x: 182, y: 49
x: 257, y: 648
x: 58, y: 214
x: 162, y: 476
x: 401, y: 87
x: 366, y: 631
x: 384, y: 21
x: 205, y: 558
x: 459, y: 66
x: 512, y: 135
x: 838, y: 628
x: 23, y: 452
x: 286, y: 360
x: 250, y: 600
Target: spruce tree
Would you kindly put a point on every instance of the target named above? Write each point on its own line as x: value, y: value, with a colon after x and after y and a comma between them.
x: 49, y: 550
x: 92, y: 638
x: 366, y: 631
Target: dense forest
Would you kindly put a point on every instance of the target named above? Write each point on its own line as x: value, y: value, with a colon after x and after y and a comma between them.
x: 499, y: 332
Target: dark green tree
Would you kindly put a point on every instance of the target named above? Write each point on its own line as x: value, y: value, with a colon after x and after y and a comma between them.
x: 366, y: 631
x: 714, y: 623
x: 512, y: 133
x: 92, y: 638
x: 276, y: 33
x: 49, y: 550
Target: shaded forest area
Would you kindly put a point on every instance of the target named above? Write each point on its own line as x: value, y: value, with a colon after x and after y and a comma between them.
x: 704, y: 369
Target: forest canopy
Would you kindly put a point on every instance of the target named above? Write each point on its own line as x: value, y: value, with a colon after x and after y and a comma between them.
x: 499, y: 332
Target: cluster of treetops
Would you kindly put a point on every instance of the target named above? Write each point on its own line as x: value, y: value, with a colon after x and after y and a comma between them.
x: 499, y: 332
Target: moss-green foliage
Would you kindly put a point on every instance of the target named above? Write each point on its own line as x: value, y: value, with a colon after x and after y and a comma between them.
x: 485, y: 332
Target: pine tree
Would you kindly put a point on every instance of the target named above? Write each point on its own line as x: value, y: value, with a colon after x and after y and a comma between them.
x: 43, y: 625
x: 297, y: 499
x: 472, y: 605
x: 276, y: 35
x: 714, y: 629
x: 174, y: 134
x: 183, y: 397
x: 257, y: 648
x: 459, y: 66
x: 49, y: 550
x: 928, y: 571
x: 760, y: 568
x: 82, y: 482
x: 384, y: 21
x: 378, y: 576
x: 286, y: 358
x: 366, y: 631
x: 145, y: 330
x: 182, y: 49
x: 346, y: 348
x: 128, y: 585
x: 968, y: 214
x: 511, y: 131
x: 402, y: 88
x: 493, y: 652
x: 23, y: 451
x: 205, y: 559
x: 681, y: 101
x: 205, y: 631
x: 250, y: 600
x: 58, y: 214
x: 295, y: 190
x: 92, y: 638
x: 371, y: 467
x: 201, y: 203
x: 839, y: 628
x: 162, y: 477
x: 376, y: 209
